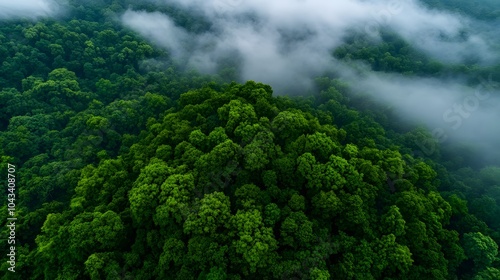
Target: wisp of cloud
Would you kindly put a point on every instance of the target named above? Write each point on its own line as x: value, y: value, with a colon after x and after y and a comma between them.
x: 288, y: 43
x: 284, y: 43
x: 27, y: 8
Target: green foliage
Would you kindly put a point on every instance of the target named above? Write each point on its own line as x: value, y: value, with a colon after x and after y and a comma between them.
x: 487, y: 274
x: 480, y: 248
x: 213, y: 213
x: 131, y: 170
x: 255, y: 242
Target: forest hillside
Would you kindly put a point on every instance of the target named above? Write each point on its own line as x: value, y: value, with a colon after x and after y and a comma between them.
x: 123, y: 158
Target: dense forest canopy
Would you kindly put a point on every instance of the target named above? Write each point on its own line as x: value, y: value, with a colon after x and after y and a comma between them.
x: 156, y: 140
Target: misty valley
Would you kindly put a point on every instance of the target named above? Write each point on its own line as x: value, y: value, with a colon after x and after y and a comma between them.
x: 231, y: 139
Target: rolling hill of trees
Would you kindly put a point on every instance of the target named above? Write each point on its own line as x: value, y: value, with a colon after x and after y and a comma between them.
x: 128, y: 168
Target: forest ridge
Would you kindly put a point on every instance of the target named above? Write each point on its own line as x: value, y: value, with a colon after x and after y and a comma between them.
x: 132, y: 165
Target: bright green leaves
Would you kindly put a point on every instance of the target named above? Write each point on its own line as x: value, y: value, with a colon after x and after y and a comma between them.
x: 34, y: 31
x: 106, y: 89
x: 97, y: 123
x: 108, y: 229
x: 372, y: 174
x: 156, y: 103
x: 335, y: 174
x: 258, y: 153
x: 411, y: 204
x: 99, y: 185
x: 213, y: 213
x: 205, y: 252
x: 248, y: 196
x: 236, y: 112
x: 93, y: 265
x: 255, y: 155
x: 318, y: 144
x: 173, y: 253
x: 90, y: 232
x: 310, y: 170
x: 423, y: 176
x: 216, y: 273
x: 254, y: 241
x: 321, y: 146
x: 288, y: 125
x: 62, y: 74
x: 163, y: 152
x: 102, y: 266
x: 296, y: 230
x: 297, y: 203
x: 453, y: 252
x: 174, y: 198
x: 390, y: 161
x: 319, y: 274
x: 51, y: 233
x: 198, y: 139
x: 193, y: 97
x: 326, y: 204
x: 480, y: 248
x: 225, y: 185
x: 253, y: 91
x: 489, y: 273
x: 197, y: 114
x: 186, y: 153
x: 216, y: 167
x: 25, y: 135
x: 350, y: 151
x: 354, y: 213
x: 440, y: 207
x: 424, y: 171
x: 61, y: 86
x: 246, y: 132
x: 432, y: 209
x: 144, y: 194
x: 393, y: 222
x: 217, y: 136
x: 393, y: 256
x: 357, y: 258
x: 272, y: 214
x: 351, y: 177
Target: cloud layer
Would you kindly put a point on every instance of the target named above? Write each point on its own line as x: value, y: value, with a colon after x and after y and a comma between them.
x: 454, y: 113
x: 282, y: 41
x: 286, y: 43
x: 27, y: 8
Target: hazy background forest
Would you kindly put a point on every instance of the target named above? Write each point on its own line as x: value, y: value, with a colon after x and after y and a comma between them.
x: 231, y: 139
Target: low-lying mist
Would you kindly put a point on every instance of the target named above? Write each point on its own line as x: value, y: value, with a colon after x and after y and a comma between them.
x: 283, y: 41
x: 27, y: 9
x: 288, y: 43
x: 453, y: 113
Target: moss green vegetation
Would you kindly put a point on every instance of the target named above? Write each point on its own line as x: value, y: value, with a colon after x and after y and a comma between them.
x: 129, y: 171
